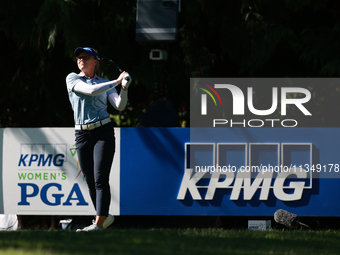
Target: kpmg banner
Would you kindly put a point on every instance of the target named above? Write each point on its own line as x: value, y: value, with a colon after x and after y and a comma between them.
x: 234, y: 171
x: 41, y: 174
x: 161, y: 171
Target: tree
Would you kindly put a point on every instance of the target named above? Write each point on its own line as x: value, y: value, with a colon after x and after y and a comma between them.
x: 240, y: 38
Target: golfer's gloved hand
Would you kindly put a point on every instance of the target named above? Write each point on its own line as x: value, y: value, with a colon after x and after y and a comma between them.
x: 126, y: 81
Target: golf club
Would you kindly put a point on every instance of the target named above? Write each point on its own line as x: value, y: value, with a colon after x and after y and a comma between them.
x: 111, y: 61
x: 120, y: 70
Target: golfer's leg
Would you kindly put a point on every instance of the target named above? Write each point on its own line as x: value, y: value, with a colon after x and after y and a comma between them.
x: 103, y: 156
x: 85, y: 157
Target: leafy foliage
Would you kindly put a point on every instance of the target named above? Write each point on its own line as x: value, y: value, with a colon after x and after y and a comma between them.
x: 244, y: 38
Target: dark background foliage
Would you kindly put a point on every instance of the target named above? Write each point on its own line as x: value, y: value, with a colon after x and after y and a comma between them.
x: 217, y: 38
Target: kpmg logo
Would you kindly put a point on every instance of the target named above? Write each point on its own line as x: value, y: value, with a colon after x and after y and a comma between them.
x: 42, y: 155
x: 41, y: 175
x: 283, y: 169
x: 240, y: 99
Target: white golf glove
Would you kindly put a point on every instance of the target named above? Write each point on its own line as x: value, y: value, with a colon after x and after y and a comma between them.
x: 126, y: 80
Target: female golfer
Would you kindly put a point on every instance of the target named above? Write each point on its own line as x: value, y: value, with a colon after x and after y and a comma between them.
x: 95, y: 140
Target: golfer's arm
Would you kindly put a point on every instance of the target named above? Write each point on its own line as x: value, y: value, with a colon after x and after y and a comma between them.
x: 118, y: 101
x: 94, y: 90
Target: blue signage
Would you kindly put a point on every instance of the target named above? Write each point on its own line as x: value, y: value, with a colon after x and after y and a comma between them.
x: 232, y: 172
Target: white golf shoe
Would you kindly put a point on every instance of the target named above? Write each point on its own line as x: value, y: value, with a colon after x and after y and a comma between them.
x: 93, y: 227
x: 108, y: 221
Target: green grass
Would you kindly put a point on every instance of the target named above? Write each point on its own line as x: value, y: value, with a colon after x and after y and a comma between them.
x: 170, y: 241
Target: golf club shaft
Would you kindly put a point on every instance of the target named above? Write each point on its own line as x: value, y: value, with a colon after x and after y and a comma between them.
x: 111, y: 61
